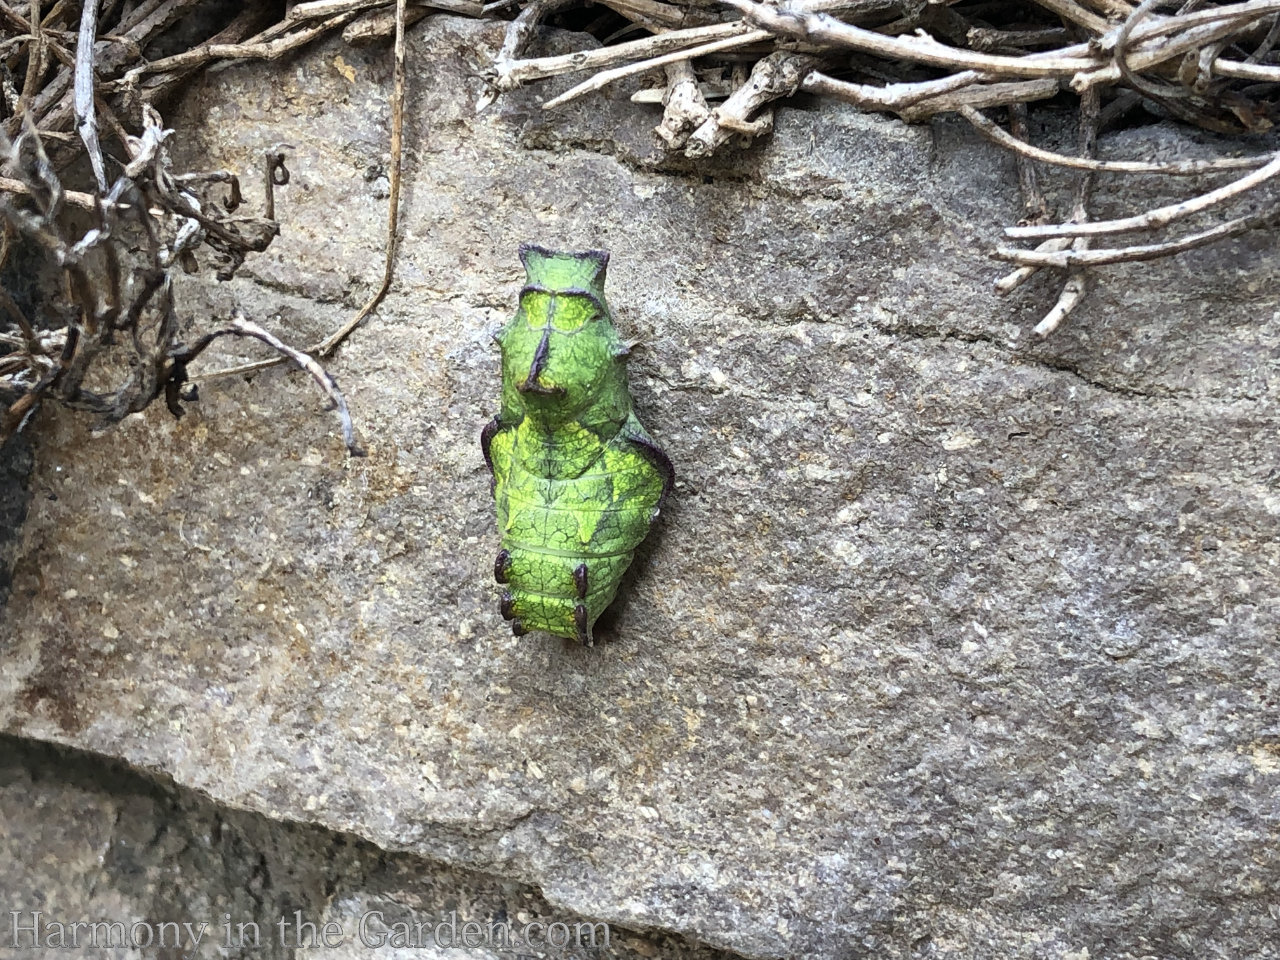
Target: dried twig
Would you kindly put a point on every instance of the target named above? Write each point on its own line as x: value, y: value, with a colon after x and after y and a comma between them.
x: 657, y: 16
x: 242, y: 327
x: 1077, y: 284
x: 1152, y: 219
x: 118, y: 278
x: 510, y: 74
x: 119, y: 290
x: 393, y: 201
x: 84, y: 201
x: 824, y: 29
x: 1153, y: 251
x: 1181, y: 168
x: 892, y: 97
x: 520, y: 30
x: 777, y: 75
x: 331, y: 343
x: 36, y: 54
x: 1034, y: 208
x: 1016, y: 278
x: 378, y: 25
x: 249, y: 23
x: 685, y: 106
x: 916, y: 101
x: 1209, y: 63
x: 260, y: 50
x: 86, y: 124
x: 1074, y: 13
x: 606, y: 77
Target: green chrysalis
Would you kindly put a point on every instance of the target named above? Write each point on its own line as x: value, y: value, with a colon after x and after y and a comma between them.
x: 577, y: 479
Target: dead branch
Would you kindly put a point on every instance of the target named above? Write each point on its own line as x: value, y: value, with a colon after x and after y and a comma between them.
x: 86, y: 124
x: 685, y: 106
x: 242, y: 327
x: 1016, y: 278
x: 84, y: 201
x: 513, y: 73
x: 606, y: 77
x: 1182, y: 168
x: 1153, y: 251
x: 916, y: 101
x: 824, y: 29
x: 1152, y: 219
x: 331, y: 343
x: 261, y: 50
x: 1034, y: 208
x: 118, y: 321
x: 1077, y: 283
x: 393, y: 202
x: 1211, y: 64
x: 777, y: 75
x: 378, y: 25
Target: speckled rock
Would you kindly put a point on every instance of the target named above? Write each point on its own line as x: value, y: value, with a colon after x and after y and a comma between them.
x: 953, y: 644
x: 15, y: 469
x: 130, y: 859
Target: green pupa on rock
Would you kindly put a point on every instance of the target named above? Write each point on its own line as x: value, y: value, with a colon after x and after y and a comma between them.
x: 577, y: 479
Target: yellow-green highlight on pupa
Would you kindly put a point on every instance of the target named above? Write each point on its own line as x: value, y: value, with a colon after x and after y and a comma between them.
x: 577, y: 479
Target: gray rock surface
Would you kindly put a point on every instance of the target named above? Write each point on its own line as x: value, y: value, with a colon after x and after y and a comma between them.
x: 953, y: 644
x: 86, y: 839
x: 15, y: 494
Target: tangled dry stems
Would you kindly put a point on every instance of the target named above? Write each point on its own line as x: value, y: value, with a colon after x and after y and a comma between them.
x: 119, y: 322
x: 110, y: 341
x: 1211, y: 65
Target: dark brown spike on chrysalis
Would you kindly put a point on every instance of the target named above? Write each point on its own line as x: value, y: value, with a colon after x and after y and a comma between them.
x: 507, y: 606
x: 584, y: 626
x: 658, y: 457
x: 486, y: 443
x: 533, y: 383
x: 502, y: 564
x: 580, y: 580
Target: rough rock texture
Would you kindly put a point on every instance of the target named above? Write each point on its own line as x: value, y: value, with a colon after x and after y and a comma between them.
x: 89, y: 840
x: 953, y: 645
x: 15, y: 469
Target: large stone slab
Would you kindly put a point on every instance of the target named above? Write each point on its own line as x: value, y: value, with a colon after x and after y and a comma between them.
x: 952, y: 644
x: 99, y: 858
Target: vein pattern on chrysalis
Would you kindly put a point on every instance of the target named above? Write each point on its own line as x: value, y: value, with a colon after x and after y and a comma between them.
x: 577, y: 480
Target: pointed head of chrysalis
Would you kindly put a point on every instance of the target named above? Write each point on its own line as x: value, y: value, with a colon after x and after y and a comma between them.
x: 550, y: 270
x: 558, y: 350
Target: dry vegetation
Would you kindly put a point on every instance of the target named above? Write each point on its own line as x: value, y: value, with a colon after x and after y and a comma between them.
x: 83, y: 81
x: 1211, y: 65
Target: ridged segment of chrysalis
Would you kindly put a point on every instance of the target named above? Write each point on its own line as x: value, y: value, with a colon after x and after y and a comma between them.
x: 577, y: 479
